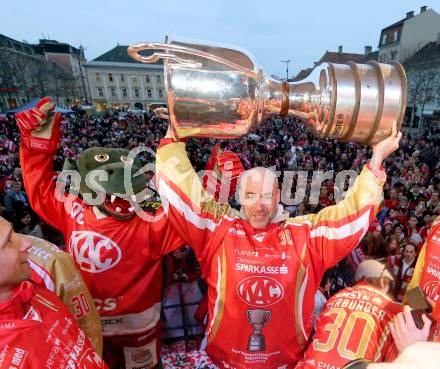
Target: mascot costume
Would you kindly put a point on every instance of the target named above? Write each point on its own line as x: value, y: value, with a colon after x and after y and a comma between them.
x: 119, y: 254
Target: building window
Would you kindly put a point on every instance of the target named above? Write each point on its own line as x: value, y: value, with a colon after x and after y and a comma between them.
x: 113, y: 92
x: 98, y: 78
x: 384, y: 39
x: 136, y: 92
x: 147, y: 79
x: 110, y: 77
x: 395, y: 36
x: 160, y: 93
x: 149, y: 93
x: 158, y: 79
x: 122, y: 78
x: 100, y: 92
x: 393, y: 55
x: 124, y: 92
x: 134, y: 78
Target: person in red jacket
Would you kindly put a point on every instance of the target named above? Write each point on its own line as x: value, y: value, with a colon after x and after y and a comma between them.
x: 36, y: 329
x: 402, y: 266
x: 355, y: 323
x: 393, y: 200
x: 262, y: 267
x: 427, y: 276
x: 119, y: 254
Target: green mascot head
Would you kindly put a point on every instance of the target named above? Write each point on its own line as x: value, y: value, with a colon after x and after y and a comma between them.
x: 110, y: 179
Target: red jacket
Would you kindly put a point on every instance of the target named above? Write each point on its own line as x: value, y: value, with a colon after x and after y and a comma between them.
x: 261, y: 282
x: 395, y: 264
x: 427, y: 274
x: 38, y: 332
x: 120, y: 260
x: 353, y: 325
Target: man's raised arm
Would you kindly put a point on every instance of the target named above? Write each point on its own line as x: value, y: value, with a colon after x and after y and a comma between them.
x: 337, y: 229
x: 192, y: 212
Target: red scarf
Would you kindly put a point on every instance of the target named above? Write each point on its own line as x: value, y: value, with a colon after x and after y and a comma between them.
x: 17, y: 306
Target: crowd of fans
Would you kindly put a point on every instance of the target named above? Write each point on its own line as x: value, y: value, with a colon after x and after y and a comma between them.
x: 411, y: 193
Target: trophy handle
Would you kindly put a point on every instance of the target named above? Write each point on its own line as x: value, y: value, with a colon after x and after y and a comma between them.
x: 268, y: 315
x: 248, y: 315
x: 161, y: 113
x: 169, y: 54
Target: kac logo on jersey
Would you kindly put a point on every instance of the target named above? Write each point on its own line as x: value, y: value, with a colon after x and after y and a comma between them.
x: 94, y: 252
x: 431, y: 290
x: 260, y: 291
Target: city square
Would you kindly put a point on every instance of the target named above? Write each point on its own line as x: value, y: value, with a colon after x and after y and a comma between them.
x: 220, y: 185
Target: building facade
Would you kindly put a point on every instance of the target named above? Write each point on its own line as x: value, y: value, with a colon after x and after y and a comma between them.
x: 423, y: 74
x: 12, y: 91
x: 116, y: 81
x: 404, y: 38
x: 72, y: 59
x: 49, y: 68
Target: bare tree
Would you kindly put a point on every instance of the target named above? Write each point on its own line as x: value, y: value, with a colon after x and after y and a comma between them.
x: 26, y: 76
x: 423, y: 73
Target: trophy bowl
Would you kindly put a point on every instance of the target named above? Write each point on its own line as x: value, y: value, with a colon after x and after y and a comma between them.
x: 219, y: 92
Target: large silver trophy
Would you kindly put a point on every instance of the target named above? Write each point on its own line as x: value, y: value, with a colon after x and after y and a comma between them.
x: 219, y: 92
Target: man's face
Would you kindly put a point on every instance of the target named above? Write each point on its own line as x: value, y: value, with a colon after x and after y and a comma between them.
x: 17, y: 173
x: 393, y: 194
x: 412, y: 222
x: 14, y: 266
x: 427, y: 218
x: 409, y: 252
x: 259, y: 196
x: 393, y: 245
x: 15, y: 187
x: 421, y: 206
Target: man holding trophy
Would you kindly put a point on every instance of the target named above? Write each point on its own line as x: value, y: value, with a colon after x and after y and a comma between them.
x: 263, y: 268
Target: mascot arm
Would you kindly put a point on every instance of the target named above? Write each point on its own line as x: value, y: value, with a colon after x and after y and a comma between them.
x: 40, y: 127
x: 40, y: 134
x: 40, y: 185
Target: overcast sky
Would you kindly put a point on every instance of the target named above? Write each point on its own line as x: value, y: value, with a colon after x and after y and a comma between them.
x: 270, y: 30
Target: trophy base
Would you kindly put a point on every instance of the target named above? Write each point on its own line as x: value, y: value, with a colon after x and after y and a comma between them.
x: 256, y: 343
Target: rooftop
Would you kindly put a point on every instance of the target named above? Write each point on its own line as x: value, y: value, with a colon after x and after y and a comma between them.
x: 427, y: 56
x: 119, y: 54
x: 338, y: 58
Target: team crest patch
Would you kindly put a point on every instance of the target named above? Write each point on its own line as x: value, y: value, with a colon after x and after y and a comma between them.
x: 93, y: 252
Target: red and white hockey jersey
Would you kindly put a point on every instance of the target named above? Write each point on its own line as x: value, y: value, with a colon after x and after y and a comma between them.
x: 120, y: 260
x: 353, y: 325
x: 427, y: 275
x: 38, y: 332
x: 261, y: 282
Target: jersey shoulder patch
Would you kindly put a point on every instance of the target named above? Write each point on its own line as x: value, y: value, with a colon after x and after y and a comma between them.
x: 151, y: 206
